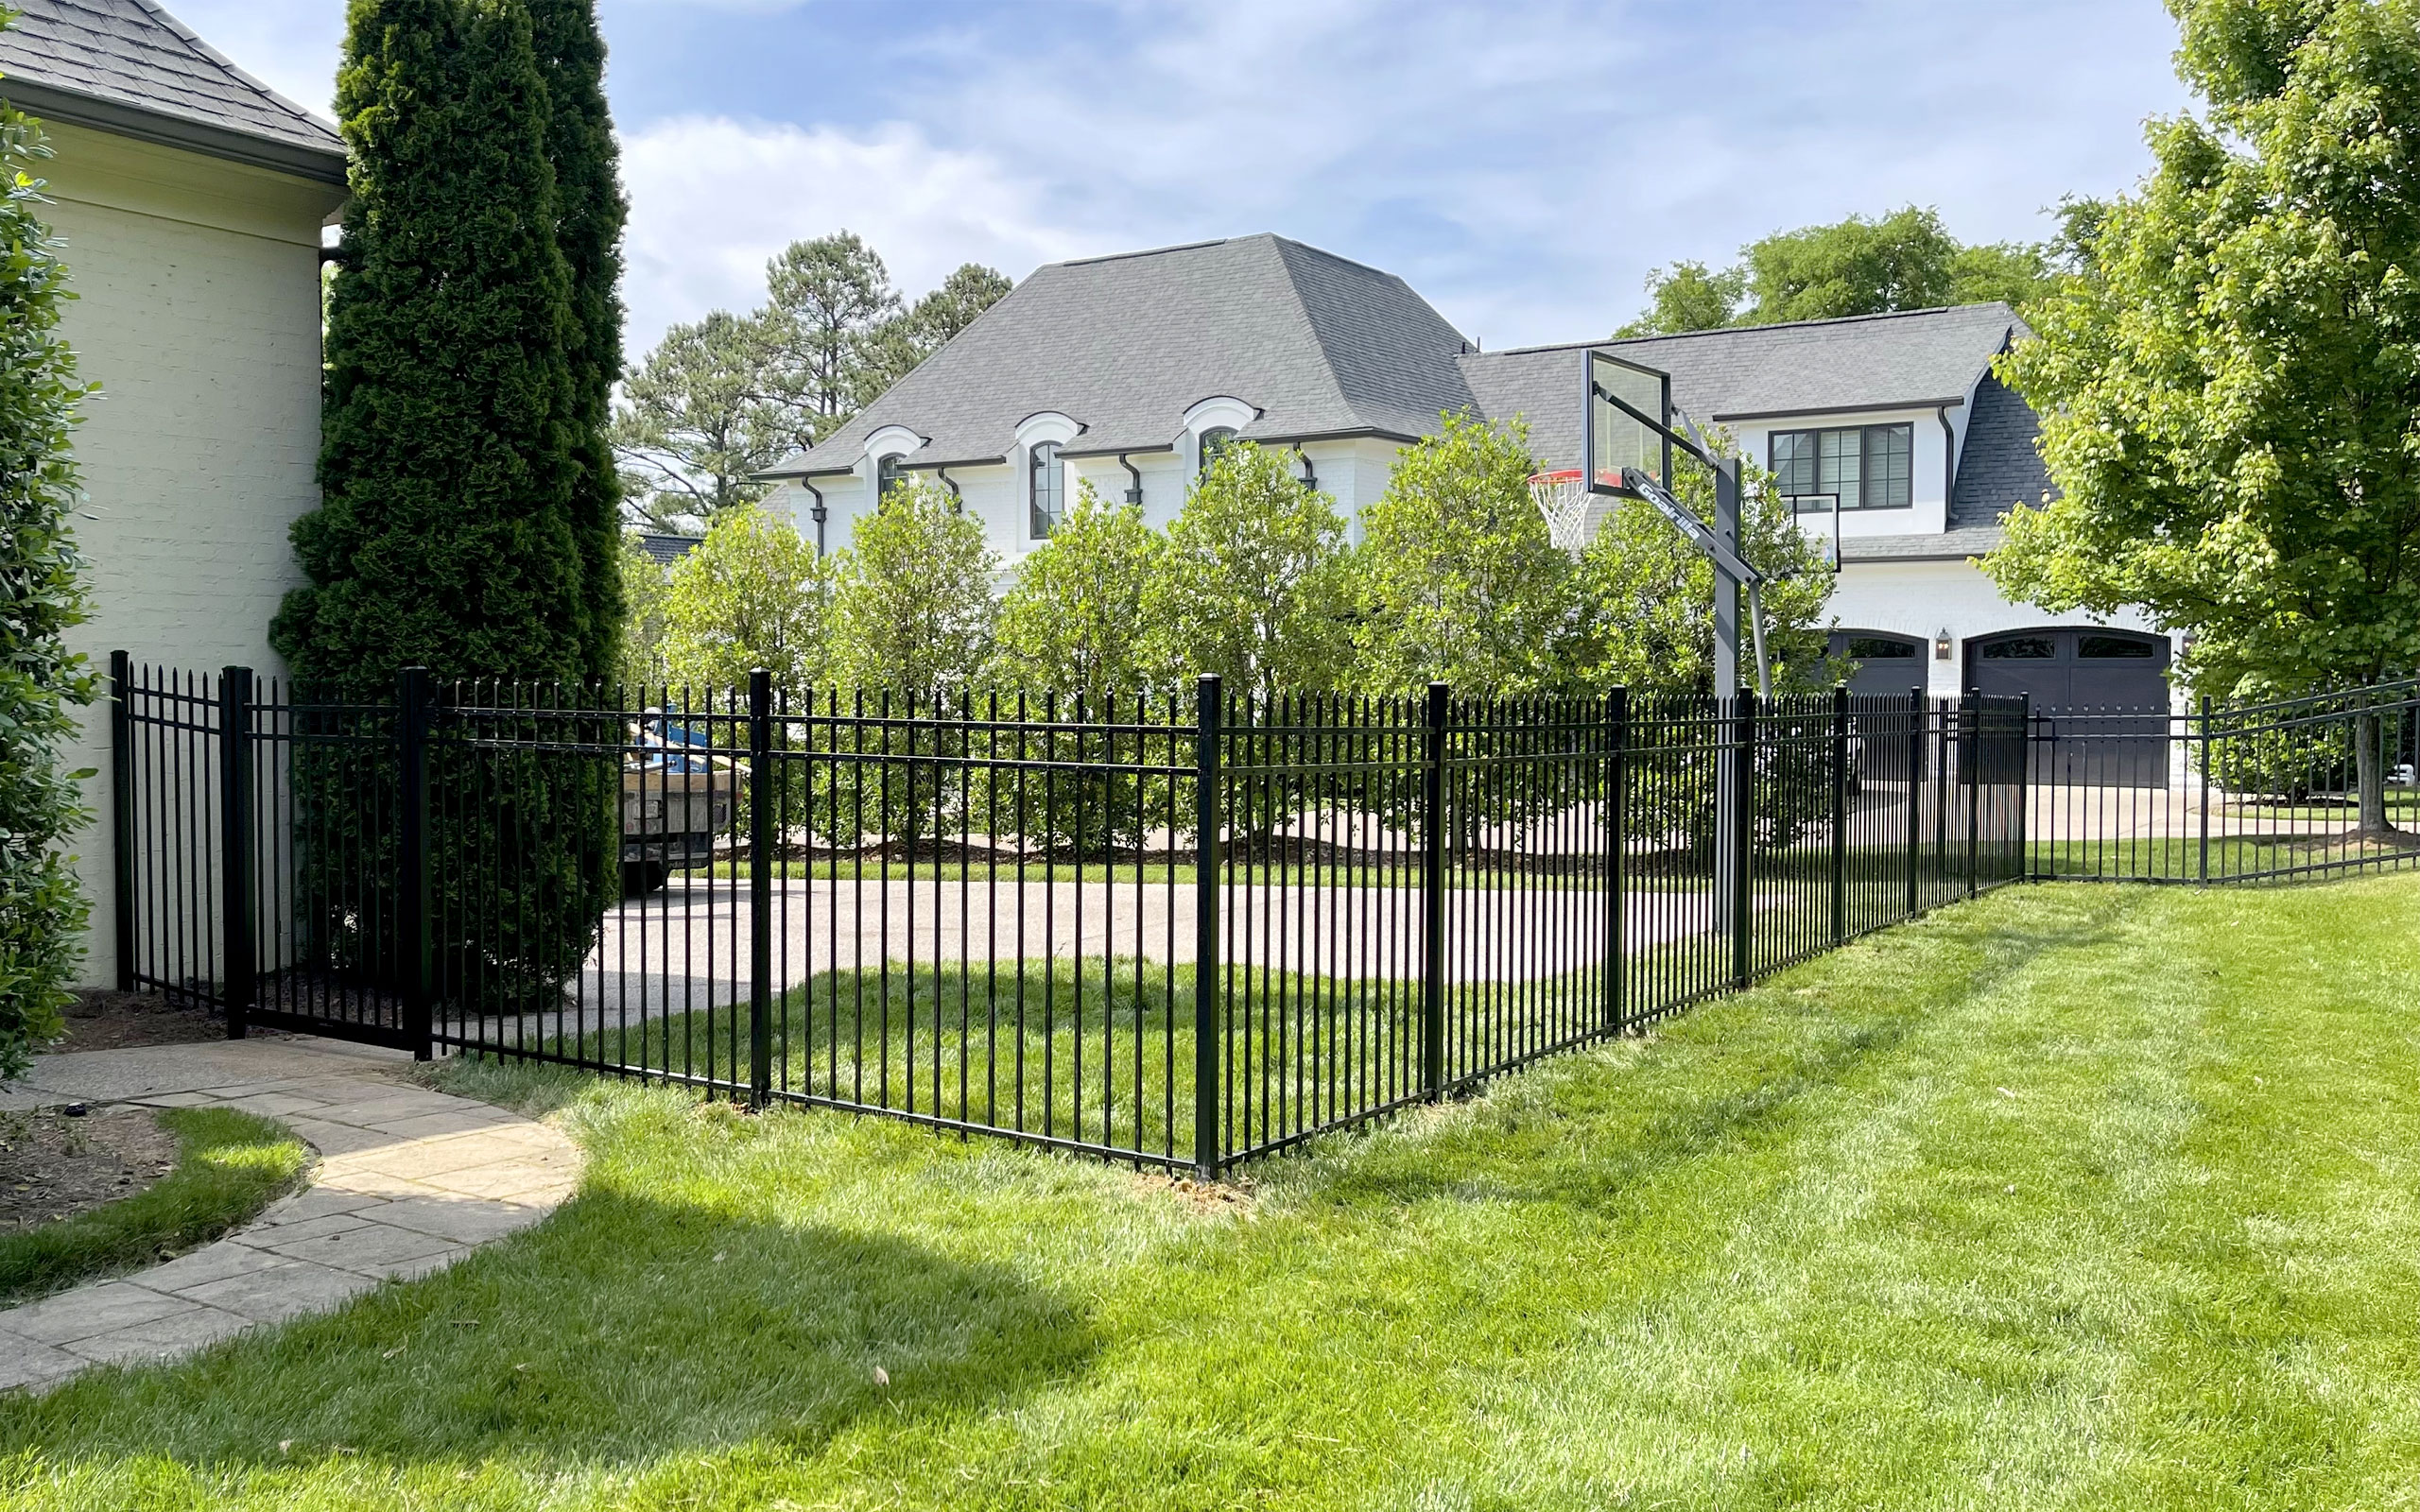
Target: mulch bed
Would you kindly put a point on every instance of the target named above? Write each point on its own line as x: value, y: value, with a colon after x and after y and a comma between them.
x: 54, y: 1165
x: 101, y: 1020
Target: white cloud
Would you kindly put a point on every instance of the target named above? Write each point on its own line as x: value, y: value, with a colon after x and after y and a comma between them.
x: 712, y: 198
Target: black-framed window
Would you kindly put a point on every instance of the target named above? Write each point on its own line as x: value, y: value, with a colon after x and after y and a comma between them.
x: 1045, y: 486
x: 1215, y: 440
x: 1869, y: 467
x: 886, y: 472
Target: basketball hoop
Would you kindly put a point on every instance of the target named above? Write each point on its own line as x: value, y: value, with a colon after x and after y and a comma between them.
x: 1563, y: 498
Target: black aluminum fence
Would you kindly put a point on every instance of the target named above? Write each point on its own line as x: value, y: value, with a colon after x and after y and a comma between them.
x: 2258, y: 792
x: 1180, y: 931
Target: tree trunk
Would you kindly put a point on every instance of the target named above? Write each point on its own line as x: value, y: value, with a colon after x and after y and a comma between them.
x: 2369, y: 764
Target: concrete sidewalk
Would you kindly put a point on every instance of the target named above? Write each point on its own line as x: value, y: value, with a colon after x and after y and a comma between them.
x: 409, y: 1181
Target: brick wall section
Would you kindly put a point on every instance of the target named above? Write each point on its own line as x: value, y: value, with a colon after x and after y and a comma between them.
x: 198, y: 314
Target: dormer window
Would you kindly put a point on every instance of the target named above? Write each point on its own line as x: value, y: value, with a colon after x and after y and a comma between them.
x: 886, y: 473
x: 1215, y: 440
x: 1867, y: 467
x: 1046, y: 487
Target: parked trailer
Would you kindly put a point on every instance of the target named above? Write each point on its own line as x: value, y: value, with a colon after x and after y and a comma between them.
x: 677, y: 800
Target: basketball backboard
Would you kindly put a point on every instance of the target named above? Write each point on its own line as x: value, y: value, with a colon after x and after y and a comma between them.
x: 1618, y: 398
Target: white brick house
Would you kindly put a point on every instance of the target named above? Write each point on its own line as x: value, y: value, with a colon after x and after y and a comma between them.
x: 191, y: 198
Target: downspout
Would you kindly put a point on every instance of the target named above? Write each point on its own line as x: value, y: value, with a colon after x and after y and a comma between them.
x: 818, y: 513
x: 1310, y: 474
x: 1948, y: 463
x: 957, y: 500
x: 1134, y: 494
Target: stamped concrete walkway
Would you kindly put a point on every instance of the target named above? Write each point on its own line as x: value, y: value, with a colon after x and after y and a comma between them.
x: 408, y: 1180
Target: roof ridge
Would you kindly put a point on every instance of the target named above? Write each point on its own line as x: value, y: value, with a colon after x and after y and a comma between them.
x: 1310, y: 323
x: 1743, y: 330
x: 193, y: 39
x: 1148, y: 251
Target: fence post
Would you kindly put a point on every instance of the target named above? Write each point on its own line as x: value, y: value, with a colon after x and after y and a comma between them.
x: 1916, y: 799
x: 1433, y: 896
x: 413, y: 933
x: 122, y: 815
x: 2025, y: 786
x: 1743, y: 799
x: 1840, y: 813
x: 1208, y: 973
x: 239, y: 941
x: 761, y: 842
x: 2205, y: 789
x: 1616, y: 844
x: 1970, y: 776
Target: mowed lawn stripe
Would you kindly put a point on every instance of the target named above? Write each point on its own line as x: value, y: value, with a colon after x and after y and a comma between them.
x: 1769, y: 1256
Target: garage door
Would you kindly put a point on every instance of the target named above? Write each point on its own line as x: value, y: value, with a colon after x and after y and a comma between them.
x: 1886, y: 662
x: 2105, y: 691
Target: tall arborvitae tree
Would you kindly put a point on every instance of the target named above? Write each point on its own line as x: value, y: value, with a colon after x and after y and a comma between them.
x: 451, y: 528
x: 446, y: 532
x: 589, y: 213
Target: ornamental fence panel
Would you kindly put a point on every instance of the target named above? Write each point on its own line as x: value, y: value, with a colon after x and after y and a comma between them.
x: 1182, y: 930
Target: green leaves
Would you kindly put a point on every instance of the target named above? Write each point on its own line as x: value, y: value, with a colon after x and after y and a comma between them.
x: 1255, y: 584
x: 913, y: 607
x: 2230, y: 390
x: 753, y: 595
x: 1071, y: 624
x: 43, y: 590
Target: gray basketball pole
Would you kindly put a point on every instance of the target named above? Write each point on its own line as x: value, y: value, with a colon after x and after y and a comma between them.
x: 1727, y: 818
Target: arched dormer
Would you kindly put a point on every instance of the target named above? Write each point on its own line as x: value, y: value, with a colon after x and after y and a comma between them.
x: 1043, y: 475
x: 886, y: 449
x: 1216, y: 418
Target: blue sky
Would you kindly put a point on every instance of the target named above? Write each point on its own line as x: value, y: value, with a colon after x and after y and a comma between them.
x: 1523, y: 165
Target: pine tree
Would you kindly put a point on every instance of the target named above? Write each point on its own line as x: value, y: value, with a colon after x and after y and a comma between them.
x: 451, y: 531
x: 589, y: 209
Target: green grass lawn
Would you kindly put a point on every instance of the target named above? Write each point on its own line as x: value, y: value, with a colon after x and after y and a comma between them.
x: 2072, y: 1196
x: 230, y: 1165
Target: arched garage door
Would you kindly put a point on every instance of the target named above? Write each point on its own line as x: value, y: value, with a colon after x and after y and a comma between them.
x: 1886, y: 662
x: 2106, y: 691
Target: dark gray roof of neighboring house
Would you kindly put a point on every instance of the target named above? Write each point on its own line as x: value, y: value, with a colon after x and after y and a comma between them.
x: 2001, y: 468
x: 669, y: 549
x: 1954, y: 544
x: 129, y: 67
x: 1911, y: 359
x: 1125, y: 345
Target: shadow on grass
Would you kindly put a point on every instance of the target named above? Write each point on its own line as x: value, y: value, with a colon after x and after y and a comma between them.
x: 624, y: 1331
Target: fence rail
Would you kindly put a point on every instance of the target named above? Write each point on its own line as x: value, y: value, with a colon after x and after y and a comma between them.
x: 1179, y: 930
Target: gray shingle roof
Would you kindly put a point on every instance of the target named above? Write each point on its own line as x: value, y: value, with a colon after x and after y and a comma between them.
x: 669, y: 549
x: 1954, y: 544
x: 2002, y: 468
x: 1909, y: 359
x: 1126, y: 345
x: 129, y: 67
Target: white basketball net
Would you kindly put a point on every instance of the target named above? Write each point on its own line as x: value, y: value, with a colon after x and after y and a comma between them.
x: 1565, y: 503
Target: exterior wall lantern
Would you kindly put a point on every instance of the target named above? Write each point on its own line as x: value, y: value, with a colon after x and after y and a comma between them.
x: 1940, y: 644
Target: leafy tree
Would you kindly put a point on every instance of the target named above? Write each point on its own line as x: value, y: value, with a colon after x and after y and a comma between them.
x: 452, y: 531
x: 695, y: 426
x: 1644, y: 592
x: 646, y: 586
x: 1071, y: 624
x: 912, y: 605
x: 589, y: 212
x: 43, y: 911
x: 1458, y: 579
x: 1255, y: 584
x: 753, y: 593
x: 1688, y: 297
x: 2231, y: 392
x: 1905, y: 261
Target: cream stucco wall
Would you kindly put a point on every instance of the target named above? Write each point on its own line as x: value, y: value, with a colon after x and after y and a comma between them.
x: 198, y: 312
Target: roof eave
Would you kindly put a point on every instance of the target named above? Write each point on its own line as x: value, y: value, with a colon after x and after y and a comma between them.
x: 164, y: 128
x: 1839, y: 409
